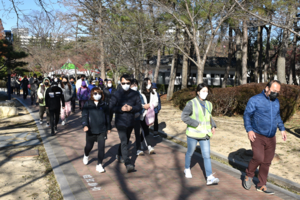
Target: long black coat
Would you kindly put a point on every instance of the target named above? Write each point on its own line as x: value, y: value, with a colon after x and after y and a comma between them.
x: 118, y: 100
x: 107, y: 94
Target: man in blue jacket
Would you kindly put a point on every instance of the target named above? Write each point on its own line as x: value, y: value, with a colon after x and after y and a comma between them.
x: 261, y: 120
x: 125, y: 103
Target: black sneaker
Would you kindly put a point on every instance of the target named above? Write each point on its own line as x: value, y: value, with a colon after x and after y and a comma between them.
x: 55, y: 128
x: 52, y: 132
x: 130, y: 168
x: 264, y: 190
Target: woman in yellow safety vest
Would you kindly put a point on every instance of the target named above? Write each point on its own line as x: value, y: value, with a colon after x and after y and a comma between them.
x: 200, y: 127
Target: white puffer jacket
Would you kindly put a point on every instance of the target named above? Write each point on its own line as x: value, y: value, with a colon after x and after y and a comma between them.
x: 153, y: 101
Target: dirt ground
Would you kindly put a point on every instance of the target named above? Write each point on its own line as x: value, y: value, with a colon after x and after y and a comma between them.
x: 23, y: 177
x: 231, y: 140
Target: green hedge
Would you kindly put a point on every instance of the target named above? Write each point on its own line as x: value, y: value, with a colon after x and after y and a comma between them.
x: 233, y: 100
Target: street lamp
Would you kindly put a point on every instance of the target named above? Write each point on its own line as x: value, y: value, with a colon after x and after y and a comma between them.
x: 8, y: 37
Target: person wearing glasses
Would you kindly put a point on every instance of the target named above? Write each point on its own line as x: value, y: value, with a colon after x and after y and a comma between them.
x: 96, y: 124
x: 125, y: 103
x: 200, y: 128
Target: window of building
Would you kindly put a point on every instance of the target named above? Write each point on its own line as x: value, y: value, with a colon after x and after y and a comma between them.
x: 212, y: 76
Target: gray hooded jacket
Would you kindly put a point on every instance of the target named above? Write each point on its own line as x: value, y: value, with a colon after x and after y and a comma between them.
x: 68, y: 93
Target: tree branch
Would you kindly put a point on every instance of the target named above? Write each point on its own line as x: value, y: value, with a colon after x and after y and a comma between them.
x: 267, y: 20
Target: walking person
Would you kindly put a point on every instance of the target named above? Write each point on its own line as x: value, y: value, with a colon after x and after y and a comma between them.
x: 18, y: 85
x: 156, y: 110
x: 150, y: 98
x: 108, y: 92
x: 91, y: 86
x: 73, y: 100
x: 200, y: 128
x: 12, y: 84
x: 96, y: 124
x: 34, y: 85
x: 261, y: 120
x: 83, y: 94
x: 79, y: 85
x: 68, y: 94
x: 54, y: 99
x: 42, y: 100
x: 125, y: 103
x: 137, y: 121
x: 24, y: 84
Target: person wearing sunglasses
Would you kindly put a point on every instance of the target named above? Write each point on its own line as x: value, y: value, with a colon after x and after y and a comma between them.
x: 125, y: 103
x: 96, y: 124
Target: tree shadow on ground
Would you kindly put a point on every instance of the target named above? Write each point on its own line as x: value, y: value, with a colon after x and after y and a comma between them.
x: 296, y: 132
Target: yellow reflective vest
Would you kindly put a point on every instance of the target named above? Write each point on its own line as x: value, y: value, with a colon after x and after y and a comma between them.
x: 204, y: 121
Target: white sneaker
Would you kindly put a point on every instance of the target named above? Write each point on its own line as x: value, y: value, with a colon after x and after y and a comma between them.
x: 63, y: 123
x: 41, y: 122
x: 151, y: 150
x: 100, y: 169
x: 85, y: 159
x: 47, y: 125
x: 211, y: 180
x: 188, y: 173
x: 139, y: 153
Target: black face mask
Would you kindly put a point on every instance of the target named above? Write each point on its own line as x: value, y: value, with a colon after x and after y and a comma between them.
x: 273, y: 96
x: 72, y: 82
x: 65, y: 83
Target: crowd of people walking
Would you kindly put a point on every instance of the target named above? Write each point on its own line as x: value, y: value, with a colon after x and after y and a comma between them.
x: 136, y: 107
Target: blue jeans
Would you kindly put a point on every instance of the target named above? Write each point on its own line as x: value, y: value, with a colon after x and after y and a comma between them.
x: 205, y: 150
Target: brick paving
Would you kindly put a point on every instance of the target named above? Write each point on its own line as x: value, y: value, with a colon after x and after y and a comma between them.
x: 158, y: 176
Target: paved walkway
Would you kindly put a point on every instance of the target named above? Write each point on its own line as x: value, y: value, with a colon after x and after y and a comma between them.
x: 158, y: 176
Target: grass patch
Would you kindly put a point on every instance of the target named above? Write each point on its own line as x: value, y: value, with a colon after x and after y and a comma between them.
x: 53, y: 189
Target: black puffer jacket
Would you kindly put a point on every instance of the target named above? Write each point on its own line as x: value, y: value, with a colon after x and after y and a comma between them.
x: 107, y: 94
x: 118, y: 100
x: 96, y: 118
x: 54, y: 96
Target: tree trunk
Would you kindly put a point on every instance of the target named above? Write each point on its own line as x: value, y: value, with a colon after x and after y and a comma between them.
x: 245, y: 53
x: 185, y: 62
x: 230, y: 50
x: 155, y: 80
x: 267, y: 59
x: 293, y: 79
x: 101, y: 44
x: 173, y: 69
x: 258, y: 56
x: 260, y: 44
x: 238, y: 56
x: 281, y: 75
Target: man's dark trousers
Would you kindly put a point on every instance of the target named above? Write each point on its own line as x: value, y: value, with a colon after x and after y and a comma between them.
x: 124, y: 135
x: 263, y: 153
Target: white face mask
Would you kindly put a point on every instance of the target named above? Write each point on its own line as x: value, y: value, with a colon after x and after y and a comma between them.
x: 109, y: 84
x: 97, y: 97
x: 134, y: 88
x: 148, y: 86
x: 203, y: 95
x: 126, y: 87
x: 55, y: 80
